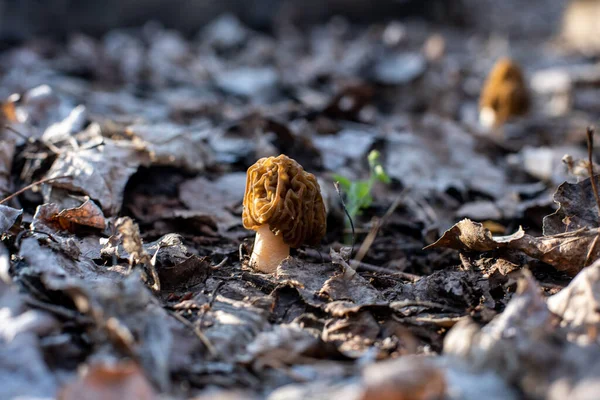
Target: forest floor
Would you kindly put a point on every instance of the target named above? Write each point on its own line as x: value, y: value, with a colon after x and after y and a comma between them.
x: 124, y: 263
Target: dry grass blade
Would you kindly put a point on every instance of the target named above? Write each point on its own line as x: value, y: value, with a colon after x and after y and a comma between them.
x: 590, y: 148
x: 26, y: 188
x: 197, y: 332
x: 339, y: 192
x: 378, y: 223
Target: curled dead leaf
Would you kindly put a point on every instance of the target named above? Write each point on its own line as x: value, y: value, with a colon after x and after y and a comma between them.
x: 578, y: 306
x: 577, y: 208
x: 190, y: 272
x: 172, y: 145
x: 467, y: 235
x: 568, y: 252
x: 8, y: 217
x: 353, y: 335
x: 101, y: 173
x: 87, y: 215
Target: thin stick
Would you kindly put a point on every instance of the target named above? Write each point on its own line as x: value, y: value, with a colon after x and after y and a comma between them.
x: 28, y: 139
x: 219, y: 265
x: 397, y: 305
x: 60, y: 311
x: 211, y: 349
x: 339, y: 192
x: 366, y: 244
x: 591, y: 250
x: 548, y: 285
x: 590, y: 146
x: 21, y: 135
x: 26, y: 188
x: 359, y: 265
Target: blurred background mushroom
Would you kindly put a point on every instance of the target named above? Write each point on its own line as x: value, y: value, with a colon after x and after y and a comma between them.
x: 580, y: 25
x: 504, y: 95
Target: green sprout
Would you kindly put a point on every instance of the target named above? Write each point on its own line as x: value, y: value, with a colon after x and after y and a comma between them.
x: 358, y: 193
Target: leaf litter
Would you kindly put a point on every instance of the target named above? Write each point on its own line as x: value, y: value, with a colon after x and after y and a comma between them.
x: 123, y: 262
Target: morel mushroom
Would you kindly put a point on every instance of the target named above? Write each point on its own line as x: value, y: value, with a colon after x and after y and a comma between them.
x: 504, y: 94
x: 283, y: 204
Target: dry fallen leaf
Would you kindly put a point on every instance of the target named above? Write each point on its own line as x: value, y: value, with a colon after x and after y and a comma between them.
x: 424, y: 157
x: 577, y: 208
x: 524, y: 346
x: 283, y: 346
x: 407, y: 378
x: 472, y: 236
x: 215, y: 198
x: 353, y: 334
x: 22, y: 365
x: 8, y: 217
x: 87, y: 215
x: 103, y: 381
x: 568, y: 252
x: 101, y: 173
x: 172, y: 145
x: 579, y: 306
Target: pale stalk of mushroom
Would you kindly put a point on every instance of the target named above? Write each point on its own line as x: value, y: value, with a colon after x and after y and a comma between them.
x: 487, y: 117
x: 269, y: 250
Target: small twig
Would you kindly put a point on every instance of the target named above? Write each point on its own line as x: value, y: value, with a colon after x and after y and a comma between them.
x: 590, y: 146
x: 49, y: 145
x: 33, y: 289
x: 95, y: 145
x: 443, y: 322
x: 339, y: 192
x: 26, y: 188
x: 591, y: 251
x: 152, y: 267
x: 211, y: 302
x: 60, y: 311
x: 359, y: 265
x: 213, y: 295
x: 553, y: 286
x: 198, y: 332
x: 366, y: 244
x: 320, y: 255
x: 241, y: 252
x: 24, y: 232
x: 219, y: 265
x: 397, y: 305
x: 21, y: 135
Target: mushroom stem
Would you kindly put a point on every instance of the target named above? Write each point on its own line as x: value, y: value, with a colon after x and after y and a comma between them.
x: 269, y: 250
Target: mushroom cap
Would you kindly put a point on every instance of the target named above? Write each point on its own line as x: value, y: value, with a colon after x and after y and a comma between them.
x: 281, y: 194
x: 506, y: 69
x: 505, y: 91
